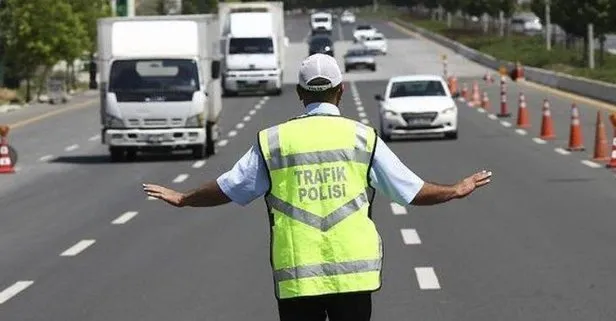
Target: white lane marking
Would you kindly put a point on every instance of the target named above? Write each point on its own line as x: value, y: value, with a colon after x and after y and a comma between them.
x: 362, y: 114
x: 427, y: 278
x: 492, y: 116
x: 539, y: 140
x: 151, y: 198
x: 505, y: 123
x: 122, y: 219
x: 95, y: 137
x: 365, y: 121
x: 180, y: 178
x: 520, y: 131
x: 247, y: 118
x: 257, y: 107
x: 410, y: 236
x: 71, y: 148
x: 13, y: 290
x: 398, y: 209
x: 78, y: 248
x: 591, y: 164
x: 46, y: 158
x: 359, y: 104
x: 239, y: 126
x: 360, y: 108
x: 480, y: 110
x: 223, y: 143
x: 232, y: 133
x: 252, y: 112
x: 562, y: 151
x: 198, y: 164
x: 266, y: 98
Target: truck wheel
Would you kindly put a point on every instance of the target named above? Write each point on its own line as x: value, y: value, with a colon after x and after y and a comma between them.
x: 131, y: 155
x: 210, y: 143
x: 116, y: 154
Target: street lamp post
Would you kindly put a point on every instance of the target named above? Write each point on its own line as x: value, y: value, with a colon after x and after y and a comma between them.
x: 548, y: 26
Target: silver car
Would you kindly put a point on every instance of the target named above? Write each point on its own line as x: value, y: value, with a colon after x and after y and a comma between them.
x: 359, y: 58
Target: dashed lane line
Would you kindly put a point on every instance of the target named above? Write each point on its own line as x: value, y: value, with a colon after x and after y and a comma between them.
x: 410, y: 236
x: 78, y: 248
x: 492, y: 116
x: 252, y: 112
x: 365, y: 121
x: 240, y: 125
x: 539, y: 141
x: 590, y: 164
x: 362, y: 114
x: 199, y: 164
x: 95, y: 137
x: 520, y: 131
x: 180, y: 178
x: 427, y: 278
x: 223, y: 143
x: 232, y: 133
x: 562, y: 151
x: 505, y: 123
x: 124, y: 218
x: 13, y: 290
x: 398, y: 209
x: 71, y: 148
x: 46, y: 158
x: 246, y: 119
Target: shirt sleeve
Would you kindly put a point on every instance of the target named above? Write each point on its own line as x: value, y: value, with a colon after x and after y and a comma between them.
x: 391, y: 177
x: 247, y: 180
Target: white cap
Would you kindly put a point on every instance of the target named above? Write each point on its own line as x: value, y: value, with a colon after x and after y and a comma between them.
x: 319, y: 66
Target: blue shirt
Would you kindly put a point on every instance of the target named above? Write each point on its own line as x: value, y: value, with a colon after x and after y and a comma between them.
x: 248, y: 179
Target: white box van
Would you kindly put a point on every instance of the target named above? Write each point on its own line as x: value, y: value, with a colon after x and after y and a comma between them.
x: 321, y: 22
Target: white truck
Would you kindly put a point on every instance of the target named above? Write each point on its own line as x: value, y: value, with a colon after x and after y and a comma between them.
x: 159, y: 83
x: 321, y: 22
x: 253, y: 44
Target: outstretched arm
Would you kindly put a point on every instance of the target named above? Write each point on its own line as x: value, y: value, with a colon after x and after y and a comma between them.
x: 431, y: 194
x: 209, y: 194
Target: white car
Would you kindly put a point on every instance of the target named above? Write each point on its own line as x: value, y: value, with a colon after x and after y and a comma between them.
x: 321, y: 22
x: 362, y: 31
x: 376, y: 43
x: 347, y: 17
x: 418, y: 105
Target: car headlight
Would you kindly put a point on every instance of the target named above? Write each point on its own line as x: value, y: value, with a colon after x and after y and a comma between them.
x: 113, y: 122
x: 449, y: 110
x: 195, y: 121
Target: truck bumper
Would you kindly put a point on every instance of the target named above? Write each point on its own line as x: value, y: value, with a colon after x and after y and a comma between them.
x: 253, y: 81
x: 154, y: 138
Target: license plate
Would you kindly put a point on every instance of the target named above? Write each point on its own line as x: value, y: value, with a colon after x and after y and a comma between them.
x: 155, y: 138
x: 418, y: 121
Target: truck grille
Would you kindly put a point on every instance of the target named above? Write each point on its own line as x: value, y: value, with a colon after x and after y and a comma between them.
x: 155, y: 122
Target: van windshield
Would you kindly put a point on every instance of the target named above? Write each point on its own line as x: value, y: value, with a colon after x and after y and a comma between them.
x: 154, y: 75
x: 251, y: 46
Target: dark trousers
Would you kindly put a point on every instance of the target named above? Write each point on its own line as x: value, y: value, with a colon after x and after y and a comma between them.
x: 332, y: 307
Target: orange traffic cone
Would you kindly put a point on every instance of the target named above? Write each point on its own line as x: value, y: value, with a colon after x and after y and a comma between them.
x: 464, y: 95
x: 612, y: 163
x: 476, y: 96
x: 547, y: 125
x: 485, y: 101
x: 488, y: 78
x: 453, y: 85
x: 576, y: 140
x: 600, y: 153
x: 6, y: 164
x: 523, y: 118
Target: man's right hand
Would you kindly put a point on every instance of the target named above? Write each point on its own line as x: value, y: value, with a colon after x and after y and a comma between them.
x: 466, y: 186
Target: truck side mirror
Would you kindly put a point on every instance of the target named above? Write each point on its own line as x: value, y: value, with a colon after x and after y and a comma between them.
x: 215, y: 69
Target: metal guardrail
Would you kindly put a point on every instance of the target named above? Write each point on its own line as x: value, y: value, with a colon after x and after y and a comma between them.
x: 586, y: 87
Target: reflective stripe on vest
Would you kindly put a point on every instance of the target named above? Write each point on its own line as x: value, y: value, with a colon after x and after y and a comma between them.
x: 313, y: 252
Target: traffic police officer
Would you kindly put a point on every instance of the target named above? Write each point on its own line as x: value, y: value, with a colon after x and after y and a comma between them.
x: 316, y: 172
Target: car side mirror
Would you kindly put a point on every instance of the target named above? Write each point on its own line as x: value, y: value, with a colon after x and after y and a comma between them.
x: 378, y: 97
x: 215, y: 69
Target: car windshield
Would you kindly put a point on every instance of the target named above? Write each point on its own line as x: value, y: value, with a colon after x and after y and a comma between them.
x: 166, y: 75
x: 320, y: 42
x: 251, y: 46
x: 364, y: 27
x: 321, y: 19
x: 358, y: 53
x: 416, y: 88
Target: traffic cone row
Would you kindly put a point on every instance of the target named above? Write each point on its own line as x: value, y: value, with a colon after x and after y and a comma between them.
x: 6, y: 164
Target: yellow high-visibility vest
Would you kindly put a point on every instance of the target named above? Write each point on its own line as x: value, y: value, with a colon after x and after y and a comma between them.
x: 323, y: 240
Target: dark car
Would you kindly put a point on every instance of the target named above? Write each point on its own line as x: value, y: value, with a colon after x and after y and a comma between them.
x: 321, y: 44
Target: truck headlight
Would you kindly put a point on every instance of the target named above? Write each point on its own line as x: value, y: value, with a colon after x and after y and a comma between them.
x: 449, y: 110
x: 113, y: 122
x: 195, y: 121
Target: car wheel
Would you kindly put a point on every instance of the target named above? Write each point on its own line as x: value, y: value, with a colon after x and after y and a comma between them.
x: 383, y: 135
x: 373, y: 68
x: 198, y: 152
x: 453, y: 135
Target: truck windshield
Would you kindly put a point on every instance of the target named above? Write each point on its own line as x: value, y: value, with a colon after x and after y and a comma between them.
x: 321, y: 20
x: 154, y: 75
x: 251, y: 46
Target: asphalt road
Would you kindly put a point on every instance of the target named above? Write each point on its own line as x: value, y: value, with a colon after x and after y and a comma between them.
x: 79, y: 241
